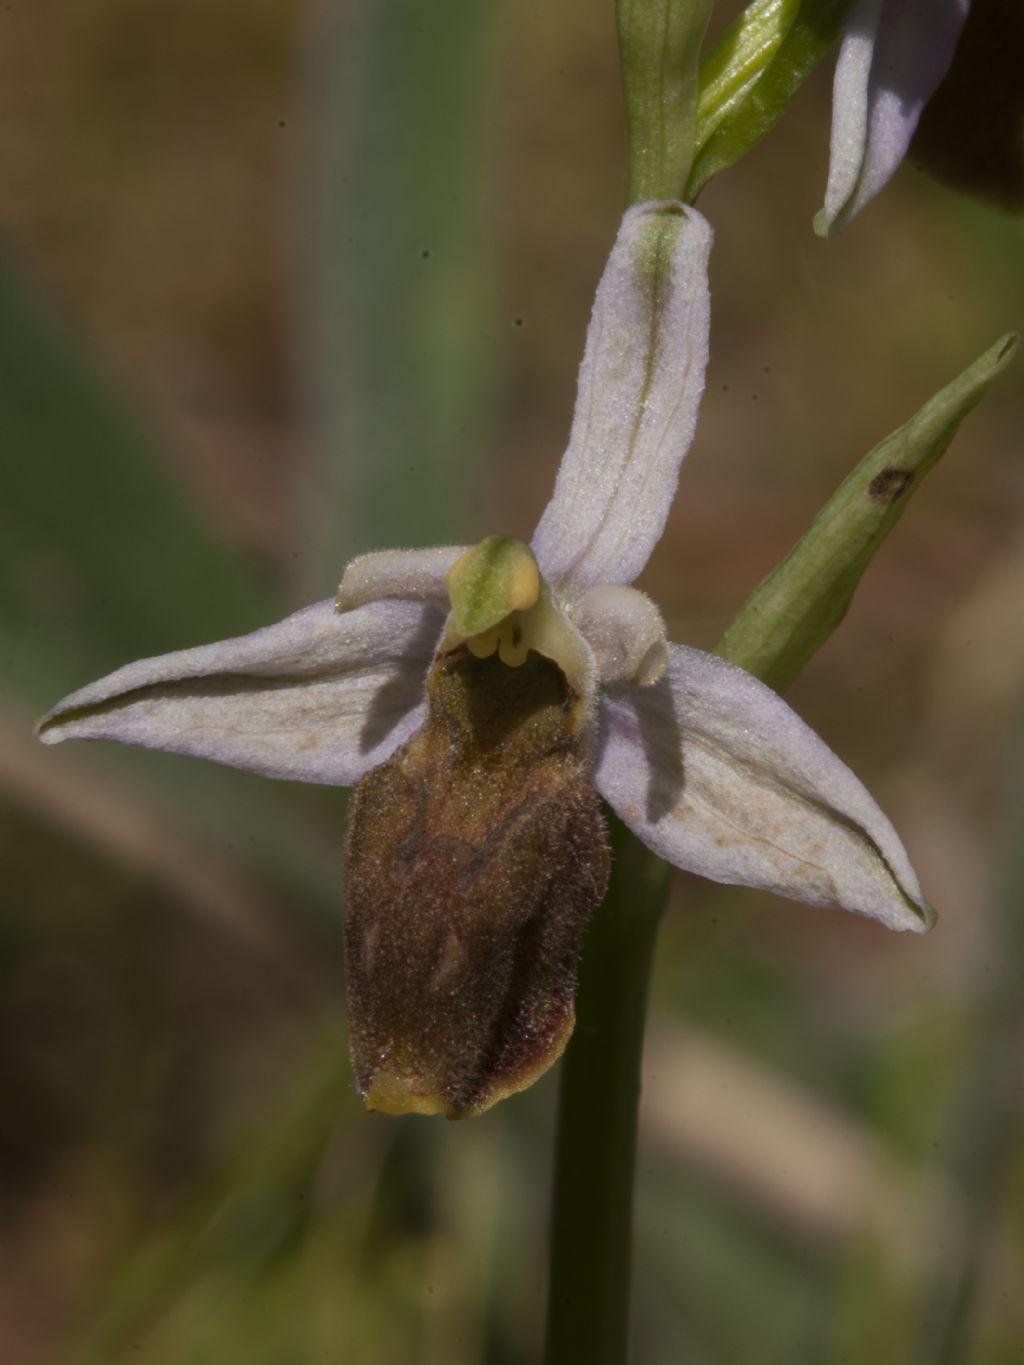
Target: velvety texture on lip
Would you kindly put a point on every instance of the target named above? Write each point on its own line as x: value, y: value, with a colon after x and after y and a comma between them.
x: 475, y: 856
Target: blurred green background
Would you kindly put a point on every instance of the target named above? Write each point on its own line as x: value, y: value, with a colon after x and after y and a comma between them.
x: 283, y: 281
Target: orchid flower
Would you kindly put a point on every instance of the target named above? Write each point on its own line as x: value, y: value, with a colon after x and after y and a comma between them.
x: 484, y: 697
x: 893, y: 55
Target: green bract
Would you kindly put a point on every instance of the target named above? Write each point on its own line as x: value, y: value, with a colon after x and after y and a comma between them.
x: 798, y: 606
x: 749, y: 78
x: 739, y: 59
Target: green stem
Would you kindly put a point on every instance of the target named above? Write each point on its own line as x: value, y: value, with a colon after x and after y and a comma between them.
x: 589, y: 1288
x: 659, y: 56
x: 595, y: 1145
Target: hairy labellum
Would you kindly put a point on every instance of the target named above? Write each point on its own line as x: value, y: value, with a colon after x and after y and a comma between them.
x: 475, y: 857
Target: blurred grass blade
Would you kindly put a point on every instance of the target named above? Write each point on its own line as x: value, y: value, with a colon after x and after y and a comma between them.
x: 399, y: 360
x: 241, y: 1220
x: 659, y: 52
x: 798, y: 606
x: 739, y: 59
x: 985, y: 1122
x: 101, y: 557
x: 763, y: 100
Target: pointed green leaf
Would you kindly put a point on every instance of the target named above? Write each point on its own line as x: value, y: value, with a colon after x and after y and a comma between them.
x: 758, y: 102
x: 801, y: 602
x: 739, y: 60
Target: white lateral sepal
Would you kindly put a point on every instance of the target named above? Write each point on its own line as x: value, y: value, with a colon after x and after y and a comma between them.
x: 715, y: 773
x: 318, y: 697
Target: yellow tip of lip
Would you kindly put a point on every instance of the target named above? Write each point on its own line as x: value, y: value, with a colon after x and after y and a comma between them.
x: 524, y: 581
x: 389, y: 1095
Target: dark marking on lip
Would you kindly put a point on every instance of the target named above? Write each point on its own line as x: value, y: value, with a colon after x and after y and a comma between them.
x: 890, y: 484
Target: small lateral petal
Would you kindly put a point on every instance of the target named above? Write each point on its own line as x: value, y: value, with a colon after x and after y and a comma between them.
x: 716, y: 774
x: 413, y: 575
x: 317, y: 697
x: 893, y: 55
x: 625, y: 630
x: 640, y: 386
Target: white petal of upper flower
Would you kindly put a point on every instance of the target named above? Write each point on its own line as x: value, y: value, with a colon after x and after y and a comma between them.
x: 317, y: 697
x: 715, y: 773
x: 416, y: 575
x: 893, y: 55
x: 640, y: 386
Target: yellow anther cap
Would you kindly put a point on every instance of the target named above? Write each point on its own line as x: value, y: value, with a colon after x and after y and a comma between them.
x: 490, y: 581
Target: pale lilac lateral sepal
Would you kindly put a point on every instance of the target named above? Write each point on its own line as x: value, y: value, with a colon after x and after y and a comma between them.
x: 321, y: 696
x: 640, y: 386
x: 894, y: 53
x: 716, y: 774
